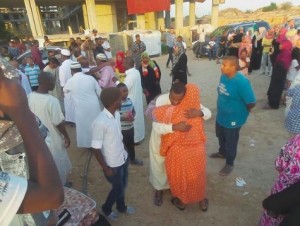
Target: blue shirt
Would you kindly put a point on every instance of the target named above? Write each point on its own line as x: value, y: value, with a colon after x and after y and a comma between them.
x: 33, y: 74
x: 127, y: 106
x: 292, y: 121
x: 234, y: 94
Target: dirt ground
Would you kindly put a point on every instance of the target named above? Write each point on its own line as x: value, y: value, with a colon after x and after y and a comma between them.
x: 229, y: 205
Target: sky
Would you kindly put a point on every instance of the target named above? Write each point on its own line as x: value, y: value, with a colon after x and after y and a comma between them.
x: 203, y: 9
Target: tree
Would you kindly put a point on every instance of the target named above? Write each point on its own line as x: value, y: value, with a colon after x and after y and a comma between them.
x: 269, y: 8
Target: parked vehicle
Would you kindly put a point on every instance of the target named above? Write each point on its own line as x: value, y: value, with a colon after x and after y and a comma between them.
x: 44, y: 51
x: 297, y: 22
x: 230, y: 28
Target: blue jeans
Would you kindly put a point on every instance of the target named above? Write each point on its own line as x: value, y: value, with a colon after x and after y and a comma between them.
x: 228, y: 140
x: 170, y: 58
x: 117, y: 193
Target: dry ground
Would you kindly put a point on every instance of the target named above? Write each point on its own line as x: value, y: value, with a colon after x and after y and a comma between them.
x: 229, y: 206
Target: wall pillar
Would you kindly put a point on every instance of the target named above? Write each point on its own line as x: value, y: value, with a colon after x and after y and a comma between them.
x: 160, y: 20
x: 151, y: 20
x: 215, y: 15
x: 85, y: 17
x: 91, y: 14
x: 140, y: 20
x: 34, y: 17
x: 168, y: 19
x: 178, y: 14
x: 192, y: 15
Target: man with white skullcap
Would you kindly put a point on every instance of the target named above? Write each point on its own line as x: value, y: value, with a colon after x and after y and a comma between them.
x: 107, y: 74
x: 85, y: 92
x: 64, y: 75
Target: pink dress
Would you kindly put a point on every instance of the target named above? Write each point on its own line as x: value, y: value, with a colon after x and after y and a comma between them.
x: 288, y: 166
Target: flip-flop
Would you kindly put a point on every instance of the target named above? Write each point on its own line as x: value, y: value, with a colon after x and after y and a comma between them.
x: 158, y: 198
x: 204, y: 205
x: 176, y: 202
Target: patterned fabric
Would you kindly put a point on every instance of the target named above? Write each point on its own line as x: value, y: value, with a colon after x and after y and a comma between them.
x: 82, y: 208
x: 170, y: 38
x: 292, y: 122
x: 288, y: 166
x: 184, y: 152
x: 137, y: 49
x: 33, y: 74
x: 9, y: 136
x: 126, y: 108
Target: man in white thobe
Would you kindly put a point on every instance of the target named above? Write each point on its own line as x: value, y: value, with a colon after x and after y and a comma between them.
x: 158, y: 177
x: 85, y: 92
x: 135, y: 93
x: 64, y: 76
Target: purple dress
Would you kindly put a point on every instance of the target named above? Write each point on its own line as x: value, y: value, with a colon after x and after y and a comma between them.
x: 288, y: 166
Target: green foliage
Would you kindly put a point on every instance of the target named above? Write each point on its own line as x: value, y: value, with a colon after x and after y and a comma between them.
x: 286, y: 6
x: 269, y: 8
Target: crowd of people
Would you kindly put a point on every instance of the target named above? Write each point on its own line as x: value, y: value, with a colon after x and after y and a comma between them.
x: 101, y: 98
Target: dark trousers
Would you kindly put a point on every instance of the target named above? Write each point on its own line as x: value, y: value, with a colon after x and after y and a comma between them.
x: 34, y: 88
x: 117, y: 193
x: 128, y: 140
x: 170, y: 52
x: 228, y: 140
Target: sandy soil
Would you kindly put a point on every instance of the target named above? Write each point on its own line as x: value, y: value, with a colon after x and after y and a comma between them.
x: 229, y: 205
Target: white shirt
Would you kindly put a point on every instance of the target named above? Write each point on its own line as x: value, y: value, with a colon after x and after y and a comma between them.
x: 292, y: 72
x: 201, y: 31
x: 106, y: 45
x: 24, y: 82
x: 107, y: 136
x: 12, y: 192
x: 65, y: 72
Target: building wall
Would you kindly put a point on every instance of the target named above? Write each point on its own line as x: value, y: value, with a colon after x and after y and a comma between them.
x: 106, y: 17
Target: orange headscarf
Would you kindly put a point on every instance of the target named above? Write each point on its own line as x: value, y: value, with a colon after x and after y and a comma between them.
x: 175, y: 114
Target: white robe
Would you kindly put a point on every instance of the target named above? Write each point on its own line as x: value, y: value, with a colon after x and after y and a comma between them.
x: 158, y: 177
x: 64, y: 76
x: 47, y: 109
x: 135, y: 93
x: 85, y: 92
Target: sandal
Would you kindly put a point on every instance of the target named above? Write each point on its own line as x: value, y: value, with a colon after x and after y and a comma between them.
x: 176, y: 202
x: 204, y: 205
x: 158, y: 198
x: 217, y: 155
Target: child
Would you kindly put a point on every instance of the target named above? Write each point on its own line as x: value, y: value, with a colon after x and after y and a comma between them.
x: 32, y: 72
x: 127, y: 117
x: 212, y: 51
x: 244, y: 62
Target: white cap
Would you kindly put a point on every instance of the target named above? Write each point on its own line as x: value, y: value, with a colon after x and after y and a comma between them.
x: 101, y: 56
x: 75, y: 65
x: 65, y: 52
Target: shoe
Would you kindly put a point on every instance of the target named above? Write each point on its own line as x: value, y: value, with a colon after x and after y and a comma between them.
x: 129, y: 210
x: 68, y: 184
x: 176, y: 202
x: 217, y: 155
x: 226, y: 170
x: 112, y: 216
x: 136, y: 162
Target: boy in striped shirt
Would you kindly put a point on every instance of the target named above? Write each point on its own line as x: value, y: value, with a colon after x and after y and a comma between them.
x: 32, y: 72
x: 127, y: 117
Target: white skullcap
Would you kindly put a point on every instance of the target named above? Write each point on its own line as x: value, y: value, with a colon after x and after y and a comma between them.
x: 75, y: 65
x: 101, y: 56
x: 65, y: 52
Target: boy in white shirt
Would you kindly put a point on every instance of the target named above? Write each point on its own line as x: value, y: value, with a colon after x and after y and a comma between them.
x: 108, y: 147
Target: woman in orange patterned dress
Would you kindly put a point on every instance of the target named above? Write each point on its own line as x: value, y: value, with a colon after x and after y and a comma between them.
x: 184, y: 152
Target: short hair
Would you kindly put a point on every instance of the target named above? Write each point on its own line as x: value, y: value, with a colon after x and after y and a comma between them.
x: 54, y: 60
x: 45, y: 36
x: 178, y: 88
x: 233, y: 60
x: 45, y: 77
x: 120, y: 85
x: 129, y: 61
x: 109, y: 96
x: 137, y: 35
x: 75, y: 70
